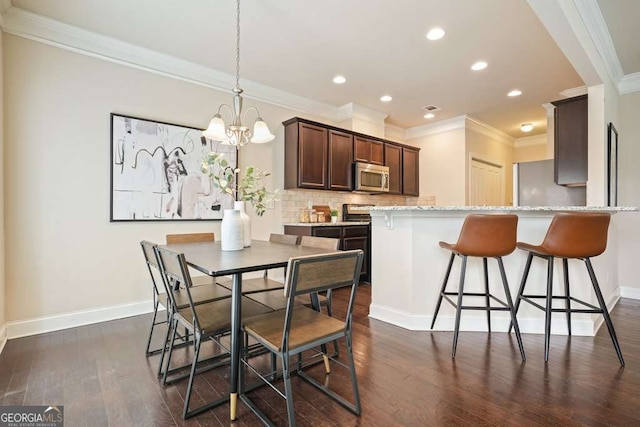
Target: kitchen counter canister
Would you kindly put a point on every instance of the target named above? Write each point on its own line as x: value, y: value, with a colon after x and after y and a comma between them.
x: 408, y: 266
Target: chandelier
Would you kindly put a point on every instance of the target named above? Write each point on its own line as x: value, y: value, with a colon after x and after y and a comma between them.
x: 236, y: 133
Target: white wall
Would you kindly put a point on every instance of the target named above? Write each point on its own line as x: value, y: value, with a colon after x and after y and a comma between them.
x: 62, y: 253
x: 488, y: 148
x: 2, y: 270
x: 442, y: 166
x: 531, y: 148
x: 628, y: 127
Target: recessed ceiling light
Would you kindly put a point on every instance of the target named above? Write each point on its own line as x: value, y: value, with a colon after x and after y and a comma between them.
x: 386, y: 98
x: 514, y: 92
x: 526, y: 127
x: 339, y: 79
x: 480, y: 65
x: 429, y: 116
x: 435, y: 34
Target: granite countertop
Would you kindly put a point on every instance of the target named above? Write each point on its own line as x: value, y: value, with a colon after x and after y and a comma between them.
x: 326, y: 224
x: 505, y: 208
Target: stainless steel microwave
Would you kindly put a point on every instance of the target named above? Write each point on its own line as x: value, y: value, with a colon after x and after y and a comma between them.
x: 371, y: 178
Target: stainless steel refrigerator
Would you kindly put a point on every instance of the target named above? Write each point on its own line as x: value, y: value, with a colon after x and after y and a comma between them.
x: 533, y: 186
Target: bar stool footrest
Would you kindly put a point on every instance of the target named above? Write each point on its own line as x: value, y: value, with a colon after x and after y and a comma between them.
x: 505, y: 306
x: 592, y: 308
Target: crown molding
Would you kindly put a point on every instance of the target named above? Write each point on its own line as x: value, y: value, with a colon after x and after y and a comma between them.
x: 530, y: 141
x: 455, y: 123
x: 489, y: 131
x: 629, y: 84
x: 596, y: 26
x: 395, y: 133
x: 360, y: 112
x: 36, y: 27
x: 574, y: 91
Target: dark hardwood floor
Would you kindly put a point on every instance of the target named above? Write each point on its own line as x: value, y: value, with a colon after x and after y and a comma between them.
x: 101, y: 376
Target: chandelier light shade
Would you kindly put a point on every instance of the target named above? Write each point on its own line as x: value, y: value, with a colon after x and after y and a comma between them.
x: 236, y: 133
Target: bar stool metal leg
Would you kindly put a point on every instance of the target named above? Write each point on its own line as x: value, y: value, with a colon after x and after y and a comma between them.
x: 486, y: 290
x: 463, y: 270
x: 565, y: 267
x: 442, y: 290
x: 605, y: 312
x: 525, y: 275
x: 512, y: 311
x: 547, y: 317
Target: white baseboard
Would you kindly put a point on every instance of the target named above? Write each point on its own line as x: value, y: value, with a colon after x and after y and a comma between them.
x: 626, y: 292
x: 3, y: 337
x: 477, y: 323
x: 23, y: 328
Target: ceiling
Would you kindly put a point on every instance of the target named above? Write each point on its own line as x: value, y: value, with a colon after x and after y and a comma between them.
x: 379, y: 46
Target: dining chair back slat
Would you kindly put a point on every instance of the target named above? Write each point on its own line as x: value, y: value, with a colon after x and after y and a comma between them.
x: 189, y: 238
x: 320, y: 275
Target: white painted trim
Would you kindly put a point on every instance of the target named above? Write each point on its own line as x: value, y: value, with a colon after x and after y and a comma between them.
x: 570, y: 93
x: 36, y: 27
x: 530, y: 141
x: 471, y: 323
x: 360, y: 112
x: 629, y: 84
x: 22, y: 328
x: 597, y: 28
x: 489, y: 131
x: 3, y: 337
x: 627, y: 292
x: 442, y: 126
x: 400, y: 318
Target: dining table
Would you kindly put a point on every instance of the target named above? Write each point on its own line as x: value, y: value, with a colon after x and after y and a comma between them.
x: 210, y: 259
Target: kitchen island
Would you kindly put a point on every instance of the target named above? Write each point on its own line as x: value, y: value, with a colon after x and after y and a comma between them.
x: 409, y: 266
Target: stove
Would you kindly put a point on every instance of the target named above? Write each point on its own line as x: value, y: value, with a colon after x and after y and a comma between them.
x: 351, y: 215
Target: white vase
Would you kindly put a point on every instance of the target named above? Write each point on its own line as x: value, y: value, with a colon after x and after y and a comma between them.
x: 231, y: 237
x: 334, y: 219
x: 246, y: 222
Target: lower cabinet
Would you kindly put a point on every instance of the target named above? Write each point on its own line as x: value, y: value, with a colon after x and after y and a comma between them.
x: 351, y: 237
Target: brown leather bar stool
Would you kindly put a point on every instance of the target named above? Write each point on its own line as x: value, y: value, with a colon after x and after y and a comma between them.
x: 486, y: 236
x: 571, y: 235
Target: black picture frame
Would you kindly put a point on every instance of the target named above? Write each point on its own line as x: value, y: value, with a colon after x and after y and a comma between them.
x: 612, y: 165
x: 156, y: 172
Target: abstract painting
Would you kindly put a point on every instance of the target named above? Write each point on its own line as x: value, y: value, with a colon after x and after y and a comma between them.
x: 155, y: 172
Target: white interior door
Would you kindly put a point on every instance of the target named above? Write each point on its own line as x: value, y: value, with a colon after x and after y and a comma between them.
x: 485, y: 184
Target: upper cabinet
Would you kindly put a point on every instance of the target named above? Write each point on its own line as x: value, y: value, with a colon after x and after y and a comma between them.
x: 393, y: 159
x: 410, y: 171
x: 317, y: 157
x: 404, y: 170
x: 321, y: 157
x: 368, y: 150
x: 571, y: 141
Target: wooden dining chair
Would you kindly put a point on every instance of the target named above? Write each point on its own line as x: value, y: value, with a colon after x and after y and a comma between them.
x: 297, y: 329
x: 324, y: 300
x: 203, y: 321
x: 200, y: 294
x: 195, y: 238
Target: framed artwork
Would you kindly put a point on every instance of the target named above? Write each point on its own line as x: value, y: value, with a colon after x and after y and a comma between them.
x: 612, y: 165
x: 156, y: 175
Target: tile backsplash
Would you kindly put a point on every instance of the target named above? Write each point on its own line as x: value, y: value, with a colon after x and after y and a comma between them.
x: 293, y: 200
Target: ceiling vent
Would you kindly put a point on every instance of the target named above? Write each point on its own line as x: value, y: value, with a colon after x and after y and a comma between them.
x: 431, y: 108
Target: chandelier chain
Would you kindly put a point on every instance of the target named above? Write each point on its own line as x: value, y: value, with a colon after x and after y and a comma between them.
x: 238, y: 44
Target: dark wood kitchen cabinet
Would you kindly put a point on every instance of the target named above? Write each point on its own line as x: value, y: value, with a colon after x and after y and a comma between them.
x: 317, y: 157
x: 368, y: 150
x: 321, y: 157
x: 340, y: 155
x: 571, y: 141
x: 404, y: 169
x: 393, y: 159
x: 410, y: 171
x: 351, y: 237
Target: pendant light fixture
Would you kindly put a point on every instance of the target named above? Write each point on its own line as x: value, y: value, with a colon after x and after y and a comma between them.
x: 236, y: 133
